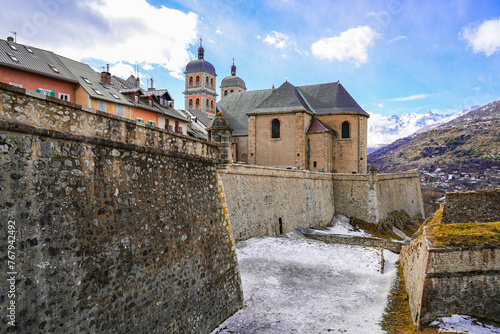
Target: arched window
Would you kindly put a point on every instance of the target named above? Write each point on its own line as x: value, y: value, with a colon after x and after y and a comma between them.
x: 212, y: 82
x: 190, y: 81
x: 212, y: 104
x: 197, y: 80
x: 197, y: 103
x: 206, y: 82
x: 346, y: 130
x: 190, y: 104
x: 275, y: 125
x: 232, y: 91
x: 208, y: 103
x: 225, y: 93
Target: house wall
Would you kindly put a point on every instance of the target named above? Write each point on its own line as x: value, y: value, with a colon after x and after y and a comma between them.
x: 144, y: 114
x: 161, y: 123
x: 111, y: 236
x: 241, y: 148
x: 34, y: 81
x: 320, y: 151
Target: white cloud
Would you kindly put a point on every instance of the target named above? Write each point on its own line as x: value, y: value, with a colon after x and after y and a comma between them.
x: 148, y: 67
x: 122, y: 70
x: 380, y: 105
x: 276, y: 39
x: 351, y: 45
x: 476, y: 88
x: 111, y: 31
x: 411, y: 97
x: 484, y: 38
x: 399, y: 38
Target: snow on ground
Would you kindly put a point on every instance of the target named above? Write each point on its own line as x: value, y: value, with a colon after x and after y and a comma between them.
x: 464, y: 324
x: 298, y: 285
x: 341, y: 225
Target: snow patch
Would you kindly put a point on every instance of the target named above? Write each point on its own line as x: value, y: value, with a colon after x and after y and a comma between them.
x: 463, y: 324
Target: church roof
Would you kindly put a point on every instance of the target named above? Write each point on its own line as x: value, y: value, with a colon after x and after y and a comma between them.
x: 286, y: 98
x: 316, y: 126
x: 200, y: 65
x: 234, y: 108
x: 231, y: 81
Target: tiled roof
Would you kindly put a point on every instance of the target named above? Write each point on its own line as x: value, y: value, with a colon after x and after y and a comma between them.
x: 34, y: 60
x: 201, y: 116
x: 120, y: 84
x: 317, y: 99
x: 158, y: 93
x: 235, y: 106
x: 94, y: 85
x: 316, y: 126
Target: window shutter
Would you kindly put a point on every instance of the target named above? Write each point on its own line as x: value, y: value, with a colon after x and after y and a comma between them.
x: 53, y: 94
x: 38, y: 90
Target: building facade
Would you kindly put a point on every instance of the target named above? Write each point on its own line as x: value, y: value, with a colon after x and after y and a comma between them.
x: 200, y: 91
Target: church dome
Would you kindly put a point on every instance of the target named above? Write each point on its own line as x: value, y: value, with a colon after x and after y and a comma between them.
x: 200, y: 64
x: 232, y: 80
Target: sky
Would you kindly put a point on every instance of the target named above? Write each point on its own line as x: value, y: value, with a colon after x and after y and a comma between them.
x: 392, y: 56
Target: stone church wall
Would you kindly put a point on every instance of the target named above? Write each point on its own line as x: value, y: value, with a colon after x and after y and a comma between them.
x: 259, y: 198
x: 119, y: 227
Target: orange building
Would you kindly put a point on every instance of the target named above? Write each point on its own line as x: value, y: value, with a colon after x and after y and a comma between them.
x: 36, y: 70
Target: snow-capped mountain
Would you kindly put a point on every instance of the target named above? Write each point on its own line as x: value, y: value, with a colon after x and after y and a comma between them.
x: 383, y: 130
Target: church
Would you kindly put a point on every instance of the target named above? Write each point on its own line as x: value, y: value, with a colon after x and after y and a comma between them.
x: 316, y: 127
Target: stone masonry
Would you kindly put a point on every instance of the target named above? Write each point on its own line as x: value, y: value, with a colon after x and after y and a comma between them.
x: 472, y: 206
x: 120, y: 227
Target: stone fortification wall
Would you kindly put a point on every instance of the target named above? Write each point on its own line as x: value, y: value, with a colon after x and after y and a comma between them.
x: 472, y: 206
x: 371, y: 197
x: 119, y: 227
x: 445, y: 281
x: 259, y: 198
x: 356, y: 241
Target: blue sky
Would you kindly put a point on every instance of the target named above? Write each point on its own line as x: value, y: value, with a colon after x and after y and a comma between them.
x: 393, y: 56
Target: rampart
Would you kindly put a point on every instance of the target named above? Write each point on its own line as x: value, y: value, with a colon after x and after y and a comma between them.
x: 119, y: 227
x: 472, y: 206
x: 445, y: 281
x: 356, y: 241
x: 373, y: 196
x: 272, y: 201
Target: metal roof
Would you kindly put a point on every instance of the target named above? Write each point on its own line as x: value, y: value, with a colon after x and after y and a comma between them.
x: 231, y: 81
x: 34, y: 60
x: 200, y: 65
x: 94, y: 85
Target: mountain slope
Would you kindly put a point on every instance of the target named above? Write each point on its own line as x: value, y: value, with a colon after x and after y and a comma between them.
x: 470, y: 139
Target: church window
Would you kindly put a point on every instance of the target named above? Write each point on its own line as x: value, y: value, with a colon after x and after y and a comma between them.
x: 190, y: 104
x: 197, y: 103
x: 212, y: 104
x: 206, y: 82
x: 275, y: 125
x: 208, y: 103
x: 345, y: 130
x: 231, y: 91
x: 225, y: 93
x: 197, y: 80
x: 212, y: 82
x: 190, y: 81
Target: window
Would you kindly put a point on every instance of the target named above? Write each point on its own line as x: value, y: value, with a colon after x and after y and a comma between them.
x: 87, y: 80
x: 176, y: 129
x: 46, y: 92
x: 104, y: 85
x: 120, y: 110
x: 207, y: 82
x: 97, y: 91
x: 275, y: 125
x: 190, y: 104
x: 64, y: 97
x: 315, y: 164
x: 16, y: 84
x: 14, y: 58
x: 12, y: 46
x: 190, y: 81
x: 54, y: 68
x: 140, y: 120
x: 225, y: 93
x: 212, y: 82
x: 212, y: 104
x: 197, y: 80
x: 101, y: 106
x: 115, y: 96
x: 345, y: 130
x: 197, y: 104
x: 152, y: 123
x: 30, y: 50
x: 208, y: 103
x: 166, y: 124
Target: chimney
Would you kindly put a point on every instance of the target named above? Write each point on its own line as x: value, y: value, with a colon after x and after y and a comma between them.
x: 106, y: 76
x: 272, y: 89
x: 10, y: 39
x: 152, y: 87
x: 137, y: 82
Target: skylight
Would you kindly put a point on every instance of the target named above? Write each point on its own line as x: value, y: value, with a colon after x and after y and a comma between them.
x: 87, y: 80
x: 30, y: 50
x: 97, y: 91
x: 115, y: 96
x: 12, y: 46
x: 54, y: 68
x: 14, y: 58
x: 104, y: 85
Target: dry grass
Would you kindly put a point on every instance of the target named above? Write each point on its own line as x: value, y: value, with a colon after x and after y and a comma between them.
x: 459, y: 235
x: 435, y: 219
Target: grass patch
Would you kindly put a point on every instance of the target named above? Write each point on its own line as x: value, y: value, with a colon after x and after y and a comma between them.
x: 397, y: 316
x: 435, y: 219
x: 471, y: 234
x: 374, y: 230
